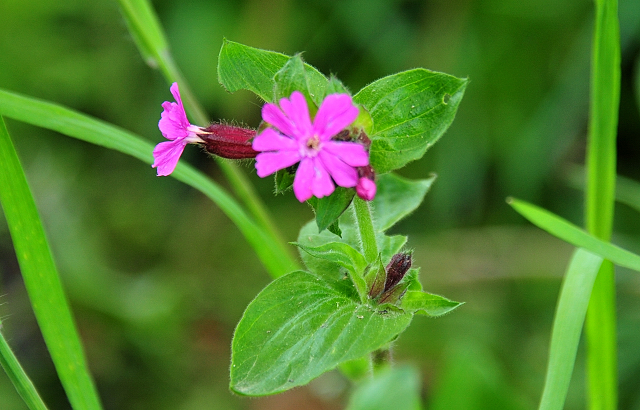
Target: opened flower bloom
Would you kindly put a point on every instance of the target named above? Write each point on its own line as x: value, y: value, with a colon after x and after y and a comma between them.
x: 175, y: 127
x: 294, y: 138
x: 223, y: 140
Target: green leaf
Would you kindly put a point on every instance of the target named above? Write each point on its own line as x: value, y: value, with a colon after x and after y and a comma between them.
x: 335, y: 86
x: 242, y: 67
x: 567, y: 326
x: 74, y: 124
x: 329, y: 208
x: 18, y: 377
x: 301, y: 326
x: 340, y: 253
x: 284, y: 180
x: 344, y: 255
x: 426, y: 303
x: 566, y: 231
x: 293, y: 77
x: 410, y: 110
x: 42, y: 280
x: 396, y: 388
x: 396, y: 198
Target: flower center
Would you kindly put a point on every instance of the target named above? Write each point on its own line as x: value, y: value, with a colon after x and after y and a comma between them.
x: 313, y: 143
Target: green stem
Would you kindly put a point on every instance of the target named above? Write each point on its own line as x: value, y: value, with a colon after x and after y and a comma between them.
x: 18, y: 377
x: 600, y: 189
x: 365, y: 227
x: 147, y: 31
x: 237, y: 179
x: 381, y: 359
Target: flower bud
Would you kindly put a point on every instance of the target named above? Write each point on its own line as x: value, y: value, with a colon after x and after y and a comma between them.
x: 397, y: 268
x: 228, y: 141
x: 366, y: 188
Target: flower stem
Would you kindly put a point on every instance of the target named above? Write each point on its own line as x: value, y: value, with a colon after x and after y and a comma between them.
x: 150, y: 39
x: 381, y: 359
x: 365, y: 227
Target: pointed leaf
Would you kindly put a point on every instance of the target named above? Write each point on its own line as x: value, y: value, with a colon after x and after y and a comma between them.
x: 284, y: 181
x: 345, y: 256
x: 242, y: 67
x: 426, y: 303
x: 301, y: 326
x: 293, y: 77
x: 397, y: 197
x: 410, y: 110
x: 329, y: 208
x: 338, y: 252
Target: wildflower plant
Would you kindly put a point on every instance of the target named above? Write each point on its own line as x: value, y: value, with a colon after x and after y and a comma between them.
x: 359, y: 290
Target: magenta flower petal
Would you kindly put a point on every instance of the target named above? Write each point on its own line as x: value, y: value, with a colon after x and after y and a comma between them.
x: 295, y: 138
x: 274, y: 116
x: 352, y: 153
x: 175, y: 127
x: 269, y: 140
x: 311, y: 179
x: 166, y: 155
x: 343, y: 174
x: 336, y: 113
x: 297, y: 110
x: 173, y: 122
x: 269, y: 162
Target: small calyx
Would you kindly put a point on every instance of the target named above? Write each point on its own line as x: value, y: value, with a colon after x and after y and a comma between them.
x: 228, y: 141
x: 385, y: 283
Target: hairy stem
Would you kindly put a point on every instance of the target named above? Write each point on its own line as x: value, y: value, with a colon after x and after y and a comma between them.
x: 365, y: 227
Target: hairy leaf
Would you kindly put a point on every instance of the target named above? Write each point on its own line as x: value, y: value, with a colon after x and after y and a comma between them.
x: 410, y: 110
x: 396, y: 198
x: 301, y: 326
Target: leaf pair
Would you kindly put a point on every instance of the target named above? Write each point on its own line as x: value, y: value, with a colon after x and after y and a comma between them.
x: 306, y: 323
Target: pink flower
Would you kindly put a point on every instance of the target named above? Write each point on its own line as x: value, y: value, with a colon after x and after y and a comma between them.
x: 295, y: 138
x: 366, y: 188
x: 175, y: 127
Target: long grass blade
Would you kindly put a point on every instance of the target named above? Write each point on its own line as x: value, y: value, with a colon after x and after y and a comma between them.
x: 567, y: 326
x: 601, y: 179
x: 18, y: 377
x: 147, y: 31
x: 566, y: 231
x: 42, y: 280
x: 80, y: 126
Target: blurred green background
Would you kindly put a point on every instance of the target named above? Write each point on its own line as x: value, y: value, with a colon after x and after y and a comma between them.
x: 158, y: 276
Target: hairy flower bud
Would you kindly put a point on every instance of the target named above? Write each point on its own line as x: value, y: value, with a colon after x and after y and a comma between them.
x: 228, y: 141
x: 397, y: 268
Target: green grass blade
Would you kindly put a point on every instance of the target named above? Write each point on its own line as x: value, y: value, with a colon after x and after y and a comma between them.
x: 627, y: 189
x: 147, y: 31
x: 18, y: 377
x: 600, y: 189
x: 567, y: 326
x: 566, y: 231
x: 80, y: 126
x: 42, y: 281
